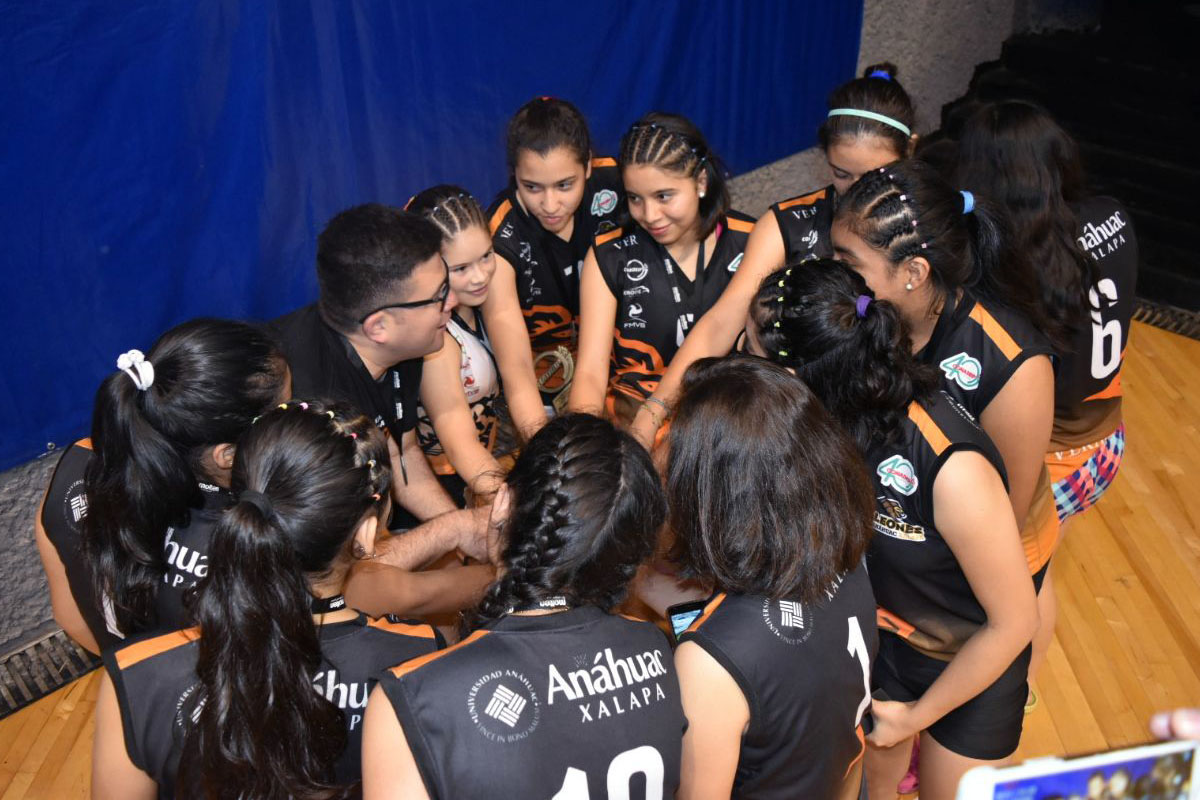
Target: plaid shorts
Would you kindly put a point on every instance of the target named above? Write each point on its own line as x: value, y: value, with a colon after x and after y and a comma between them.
x: 1080, y: 476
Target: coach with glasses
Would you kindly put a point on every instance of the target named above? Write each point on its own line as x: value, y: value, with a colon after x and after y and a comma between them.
x: 384, y: 303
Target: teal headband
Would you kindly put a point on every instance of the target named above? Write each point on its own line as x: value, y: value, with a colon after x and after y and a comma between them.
x: 855, y: 112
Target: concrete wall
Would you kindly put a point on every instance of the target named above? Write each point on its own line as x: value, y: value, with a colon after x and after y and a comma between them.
x: 935, y: 43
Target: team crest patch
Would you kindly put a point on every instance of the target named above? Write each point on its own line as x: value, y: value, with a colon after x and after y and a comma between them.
x: 898, y: 473
x: 604, y: 202
x: 504, y: 706
x: 787, y: 619
x: 892, y: 520
x: 737, y: 262
x: 75, y: 505
x: 963, y: 370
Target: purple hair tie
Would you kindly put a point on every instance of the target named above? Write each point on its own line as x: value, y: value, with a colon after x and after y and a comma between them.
x: 860, y: 305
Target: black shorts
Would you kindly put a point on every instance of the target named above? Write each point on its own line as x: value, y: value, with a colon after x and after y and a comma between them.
x: 986, y: 727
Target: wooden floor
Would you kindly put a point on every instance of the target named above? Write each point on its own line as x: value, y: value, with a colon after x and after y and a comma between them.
x: 1128, y: 577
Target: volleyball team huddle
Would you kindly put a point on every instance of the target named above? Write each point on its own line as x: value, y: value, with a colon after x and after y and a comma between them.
x: 849, y: 435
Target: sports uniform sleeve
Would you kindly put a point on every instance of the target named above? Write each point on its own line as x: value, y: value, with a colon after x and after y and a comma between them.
x: 609, y: 260
x: 396, y: 691
x: 128, y: 724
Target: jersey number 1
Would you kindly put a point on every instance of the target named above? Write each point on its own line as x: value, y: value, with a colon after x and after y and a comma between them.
x: 644, y: 759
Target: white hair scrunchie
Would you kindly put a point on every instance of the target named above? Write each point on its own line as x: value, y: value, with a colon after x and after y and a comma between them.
x: 135, y: 365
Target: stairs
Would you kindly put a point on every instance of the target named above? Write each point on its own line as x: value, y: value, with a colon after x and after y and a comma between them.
x: 1130, y: 95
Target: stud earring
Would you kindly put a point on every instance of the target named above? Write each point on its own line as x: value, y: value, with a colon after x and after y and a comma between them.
x: 908, y: 286
x: 701, y: 195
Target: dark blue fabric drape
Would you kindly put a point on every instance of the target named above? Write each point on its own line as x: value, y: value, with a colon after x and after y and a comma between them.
x: 164, y: 160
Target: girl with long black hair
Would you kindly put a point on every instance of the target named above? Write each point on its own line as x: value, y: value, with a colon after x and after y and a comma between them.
x: 776, y: 670
x: 956, y: 601
x: 560, y: 195
x: 944, y: 259
x: 870, y: 122
x: 1087, y: 258
x: 228, y: 708
x: 646, y: 284
x: 551, y: 694
x: 124, y: 529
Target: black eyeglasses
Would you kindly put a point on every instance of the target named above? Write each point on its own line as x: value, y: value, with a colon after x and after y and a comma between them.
x: 439, y: 298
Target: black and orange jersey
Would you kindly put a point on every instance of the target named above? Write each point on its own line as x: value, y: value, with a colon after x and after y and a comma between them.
x: 804, y: 223
x: 1087, y: 389
x: 656, y: 303
x: 157, y: 688
x: 574, y: 704
x: 548, y: 267
x: 325, y: 365
x: 185, y: 546
x: 804, y: 670
x: 921, y: 590
x: 977, y: 347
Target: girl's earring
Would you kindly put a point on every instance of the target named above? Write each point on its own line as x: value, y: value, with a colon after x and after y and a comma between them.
x: 908, y: 286
x: 701, y: 193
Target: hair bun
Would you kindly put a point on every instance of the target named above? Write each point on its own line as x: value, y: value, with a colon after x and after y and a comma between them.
x: 885, y: 70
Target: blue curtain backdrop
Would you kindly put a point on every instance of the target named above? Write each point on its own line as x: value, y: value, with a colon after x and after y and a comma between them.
x: 164, y: 160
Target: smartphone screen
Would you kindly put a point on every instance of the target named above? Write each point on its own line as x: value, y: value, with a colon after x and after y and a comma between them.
x: 1166, y: 776
x: 683, y: 615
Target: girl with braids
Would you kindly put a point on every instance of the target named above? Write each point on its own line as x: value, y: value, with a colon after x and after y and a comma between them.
x: 943, y: 259
x: 781, y: 551
x: 125, y: 525
x: 551, y: 695
x: 1087, y: 257
x: 559, y: 197
x: 956, y: 602
x: 645, y: 285
x: 228, y: 708
x: 460, y: 384
x: 870, y: 123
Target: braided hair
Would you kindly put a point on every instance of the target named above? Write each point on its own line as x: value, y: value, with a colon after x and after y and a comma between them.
x: 586, y: 508
x: 907, y: 209
x: 855, y: 354
x: 673, y: 144
x: 305, y: 475
x: 451, y: 208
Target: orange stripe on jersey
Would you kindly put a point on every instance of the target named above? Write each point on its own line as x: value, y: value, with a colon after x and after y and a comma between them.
x: 1112, y: 390
x: 498, y: 217
x: 604, y: 161
x: 136, y: 653
x: 86, y: 444
x: 422, y: 631
x: 995, y: 331
x: 416, y: 663
x: 928, y: 428
x: 862, y: 749
x: 887, y: 621
x: 708, y: 612
x: 804, y: 200
x: 608, y: 236
x: 739, y: 225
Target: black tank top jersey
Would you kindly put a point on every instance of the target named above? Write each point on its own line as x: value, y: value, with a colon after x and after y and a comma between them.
x: 574, y: 704
x: 921, y: 590
x: 156, y: 686
x: 656, y: 303
x: 805, y: 672
x: 185, y: 547
x: 547, y: 267
x: 977, y: 347
x: 805, y: 222
x: 1087, y: 391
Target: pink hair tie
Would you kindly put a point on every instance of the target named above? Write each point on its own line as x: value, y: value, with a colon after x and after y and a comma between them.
x: 354, y: 436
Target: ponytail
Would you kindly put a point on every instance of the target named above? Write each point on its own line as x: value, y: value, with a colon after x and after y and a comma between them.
x: 906, y: 210
x: 305, y: 475
x: 210, y: 379
x: 586, y: 508
x: 854, y: 352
